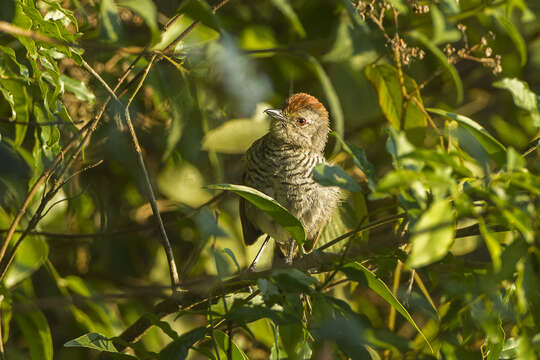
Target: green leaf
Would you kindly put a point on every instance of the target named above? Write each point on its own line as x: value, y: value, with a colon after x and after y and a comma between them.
x: 231, y: 254
x: 432, y: 235
x: 258, y: 37
x: 443, y: 60
x: 97, y: 316
x: 360, y: 160
x: 333, y: 175
x: 179, y: 348
x: 37, y: 334
x: 442, y: 32
x: 513, y: 33
x: 235, y: 136
x: 410, y: 117
x: 110, y: 22
x: 491, y: 145
x: 286, y: 9
x: 399, y: 5
x: 163, y: 325
x: 16, y: 94
x: 270, y: 206
x: 146, y: 9
x: 199, y: 10
x: 523, y: 97
x: 93, y: 341
x: 331, y: 96
x: 32, y: 253
x: 78, y: 88
x: 357, y: 272
x: 222, y: 341
x: 493, y: 245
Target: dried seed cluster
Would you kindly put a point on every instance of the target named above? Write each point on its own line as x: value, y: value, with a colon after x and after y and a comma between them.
x: 375, y: 11
x: 480, y: 52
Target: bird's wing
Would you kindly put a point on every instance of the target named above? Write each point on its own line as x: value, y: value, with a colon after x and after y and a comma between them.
x: 250, y: 232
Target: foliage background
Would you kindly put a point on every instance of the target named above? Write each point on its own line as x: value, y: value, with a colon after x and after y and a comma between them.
x: 450, y: 207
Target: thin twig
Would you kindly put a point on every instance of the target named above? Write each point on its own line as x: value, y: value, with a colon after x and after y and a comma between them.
x: 175, y: 279
x: 369, y: 226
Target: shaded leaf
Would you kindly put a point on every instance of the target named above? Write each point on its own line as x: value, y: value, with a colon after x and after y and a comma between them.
x: 336, y: 110
x: 222, y: 341
x: 37, y: 334
x: 360, y: 160
x: 513, y: 33
x: 146, y: 9
x: 333, y: 175
x: 179, y: 348
x: 199, y: 10
x: 286, y: 9
x: 358, y: 272
x: 443, y: 60
x: 110, y: 22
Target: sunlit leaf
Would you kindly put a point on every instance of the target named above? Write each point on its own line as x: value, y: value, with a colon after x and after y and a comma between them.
x: 93, y: 341
x: 523, y: 97
x: 264, y: 202
x: 78, y: 88
x: 235, y: 136
x: 31, y: 254
x: 385, y: 80
x: 399, y: 5
x: 491, y: 145
x: 432, y: 235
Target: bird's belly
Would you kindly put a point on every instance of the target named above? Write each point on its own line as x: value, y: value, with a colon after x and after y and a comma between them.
x: 311, y: 203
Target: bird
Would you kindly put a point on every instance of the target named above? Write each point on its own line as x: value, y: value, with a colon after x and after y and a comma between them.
x: 280, y: 165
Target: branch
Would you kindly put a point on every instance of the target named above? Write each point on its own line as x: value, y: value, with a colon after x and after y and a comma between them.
x: 196, y: 295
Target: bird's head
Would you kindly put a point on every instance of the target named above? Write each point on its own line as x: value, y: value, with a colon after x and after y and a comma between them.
x: 302, y: 122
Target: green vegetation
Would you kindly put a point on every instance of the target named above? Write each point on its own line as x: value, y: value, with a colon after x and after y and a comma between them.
x: 118, y: 120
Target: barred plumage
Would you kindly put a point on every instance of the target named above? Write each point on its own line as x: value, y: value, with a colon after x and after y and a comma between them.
x: 280, y: 164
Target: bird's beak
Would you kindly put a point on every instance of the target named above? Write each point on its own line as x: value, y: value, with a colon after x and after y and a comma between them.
x: 275, y: 114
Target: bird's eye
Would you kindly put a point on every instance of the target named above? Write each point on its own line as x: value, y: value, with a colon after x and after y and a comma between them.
x: 301, y: 121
